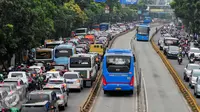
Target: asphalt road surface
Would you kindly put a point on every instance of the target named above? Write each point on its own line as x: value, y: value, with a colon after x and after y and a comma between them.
x: 162, y: 93
x: 178, y: 68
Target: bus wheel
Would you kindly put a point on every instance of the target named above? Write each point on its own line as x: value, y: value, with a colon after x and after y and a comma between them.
x: 131, y: 92
x: 105, y: 92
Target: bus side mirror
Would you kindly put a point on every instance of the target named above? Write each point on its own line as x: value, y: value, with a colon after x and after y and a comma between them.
x: 134, y: 59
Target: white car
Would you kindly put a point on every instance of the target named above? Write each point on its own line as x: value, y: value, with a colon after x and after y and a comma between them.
x: 193, y: 77
x: 53, y: 74
x: 74, y: 80
x: 37, y: 68
x: 20, y: 74
x: 196, y: 52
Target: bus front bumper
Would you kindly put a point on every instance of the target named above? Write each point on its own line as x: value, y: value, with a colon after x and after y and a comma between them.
x: 118, y: 87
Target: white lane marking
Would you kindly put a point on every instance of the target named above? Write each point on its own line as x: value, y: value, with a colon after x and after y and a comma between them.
x: 145, y: 90
x: 136, y: 102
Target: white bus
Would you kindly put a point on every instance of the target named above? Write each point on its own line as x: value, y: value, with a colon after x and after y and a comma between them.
x: 85, y: 65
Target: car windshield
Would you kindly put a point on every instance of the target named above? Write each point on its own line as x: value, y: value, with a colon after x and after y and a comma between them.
x: 33, y: 109
x: 55, y: 82
x: 195, y: 50
x: 196, y: 73
x: 11, y: 82
x: 39, y: 97
x: 59, y: 67
x: 173, y: 48
x: 191, y: 67
x: 16, y: 75
x: 70, y: 76
x: 57, y: 90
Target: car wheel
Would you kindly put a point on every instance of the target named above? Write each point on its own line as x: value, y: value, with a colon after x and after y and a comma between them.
x: 105, y: 92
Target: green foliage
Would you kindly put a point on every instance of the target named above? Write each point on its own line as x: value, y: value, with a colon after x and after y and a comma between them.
x: 26, y: 23
x: 188, y: 11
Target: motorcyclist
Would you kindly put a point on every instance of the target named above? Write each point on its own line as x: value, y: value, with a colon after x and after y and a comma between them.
x: 1, y: 77
x: 192, y: 55
x: 40, y: 81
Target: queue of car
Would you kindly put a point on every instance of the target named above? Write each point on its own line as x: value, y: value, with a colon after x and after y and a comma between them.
x: 65, y: 64
x: 172, y: 45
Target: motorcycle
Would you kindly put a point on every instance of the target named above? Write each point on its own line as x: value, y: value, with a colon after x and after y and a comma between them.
x: 180, y: 60
x: 192, y: 60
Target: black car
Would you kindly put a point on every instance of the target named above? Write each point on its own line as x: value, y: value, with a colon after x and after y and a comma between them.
x: 172, y: 51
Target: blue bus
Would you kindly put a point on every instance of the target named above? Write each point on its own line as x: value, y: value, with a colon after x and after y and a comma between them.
x: 62, y: 53
x: 104, y: 26
x: 142, y: 32
x: 147, y: 20
x: 118, y: 70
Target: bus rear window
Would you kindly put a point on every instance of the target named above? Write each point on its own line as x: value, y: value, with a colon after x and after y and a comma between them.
x: 43, y: 55
x: 80, y: 62
x: 80, y: 31
x: 63, y: 53
x: 118, y: 63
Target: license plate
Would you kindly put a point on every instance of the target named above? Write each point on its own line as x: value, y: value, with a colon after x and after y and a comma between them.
x: 117, y: 88
x: 69, y: 82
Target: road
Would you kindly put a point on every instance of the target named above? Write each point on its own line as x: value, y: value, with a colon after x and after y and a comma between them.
x: 178, y: 68
x: 162, y: 92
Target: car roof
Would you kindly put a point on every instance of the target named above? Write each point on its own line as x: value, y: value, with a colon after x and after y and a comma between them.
x: 35, y: 67
x: 71, y: 73
x: 196, y: 70
x: 41, y: 92
x: 53, y: 72
x: 35, y: 104
x: 17, y: 72
x: 194, y: 48
x: 193, y: 64
x: 12, y: 79
x: 6, y: 84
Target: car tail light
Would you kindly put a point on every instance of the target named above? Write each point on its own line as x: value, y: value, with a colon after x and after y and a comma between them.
x: 78, y: 81
x: 11, y: 91
x: 132, y: 81
x: 27, y: 66
x: 18, y: 83
x: 104, y: 81
x: 61, y: 97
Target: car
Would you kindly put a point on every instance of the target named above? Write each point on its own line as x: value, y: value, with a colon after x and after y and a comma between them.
x: 188, y: 69
x: 74, y: 80
x: 20, y: 74
x: 39, y: 69
x: 197, y: 87
x: 193, y: 77
x: 196, y: 52
x: 58, y: 81
x: 172, y: 51
x: 21, y: 87
x: 61, y: 93
x: 43, y: 95
x: 52, y: 74
x: 4, y: 97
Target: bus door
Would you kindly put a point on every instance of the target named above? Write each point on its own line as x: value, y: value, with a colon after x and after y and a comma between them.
x: 119, y: 69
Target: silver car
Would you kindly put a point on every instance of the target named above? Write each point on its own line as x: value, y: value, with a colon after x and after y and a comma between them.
x: 197, y: 87
x: 21, y: 87
x: 188, y: 69
x: 8, y: 100
x: 193, y: 77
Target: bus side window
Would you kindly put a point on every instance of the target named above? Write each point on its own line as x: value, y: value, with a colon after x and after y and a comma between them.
x: 101, y: 47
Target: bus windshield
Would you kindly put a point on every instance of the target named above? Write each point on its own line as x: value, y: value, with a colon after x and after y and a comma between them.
x: 143, y: 30
x: 118, y: 63
x: 80, y: 62
x: 43, y: 55
x: 63, y: 53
